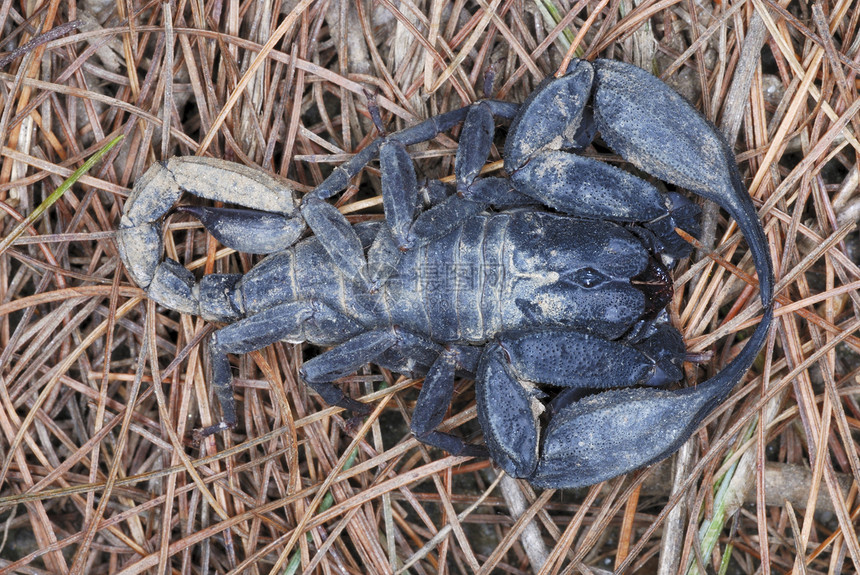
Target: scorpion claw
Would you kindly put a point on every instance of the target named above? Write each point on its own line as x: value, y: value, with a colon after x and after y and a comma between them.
x: 600, y: 190
x: 511, y: 433
x: 553, y: 117
x: 657, y: 130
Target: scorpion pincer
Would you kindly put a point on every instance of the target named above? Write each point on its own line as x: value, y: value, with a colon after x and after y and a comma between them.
x: 547, y: 286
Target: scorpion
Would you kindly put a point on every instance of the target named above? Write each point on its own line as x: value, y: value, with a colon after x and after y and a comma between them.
x: 556, y: 307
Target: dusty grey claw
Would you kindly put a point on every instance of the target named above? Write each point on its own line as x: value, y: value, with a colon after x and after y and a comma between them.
x: 617, y: 431
x: 598, y: 190
x: 614, y: 432
x: 508, y: 414
x: 574, y: 359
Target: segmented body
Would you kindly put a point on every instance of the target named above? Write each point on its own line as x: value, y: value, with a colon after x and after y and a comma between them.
x: 495, y: 273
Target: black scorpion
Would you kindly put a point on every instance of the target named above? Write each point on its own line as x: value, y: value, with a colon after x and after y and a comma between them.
x: 546, y: 286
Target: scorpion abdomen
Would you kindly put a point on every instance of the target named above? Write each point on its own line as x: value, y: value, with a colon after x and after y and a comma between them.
x: 489, y: 275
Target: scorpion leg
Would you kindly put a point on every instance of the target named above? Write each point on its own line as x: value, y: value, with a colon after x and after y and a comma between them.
x: 346, y: 358
x: 473, y: 194
x: 285, y: 322
x: 399, y: 189
x: 337, y: 236
x: 399, y: 194
x: 472, y: 153
x: 433, y: 403
x: 332, y: 228
x: 339, y: 179
x: 385, y: 346
x: 476, y: 140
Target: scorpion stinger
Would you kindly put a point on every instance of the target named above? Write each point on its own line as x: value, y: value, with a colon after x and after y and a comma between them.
x: 273, y: 225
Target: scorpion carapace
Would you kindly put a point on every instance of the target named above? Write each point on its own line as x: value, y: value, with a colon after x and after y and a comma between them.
x: 547, y: 285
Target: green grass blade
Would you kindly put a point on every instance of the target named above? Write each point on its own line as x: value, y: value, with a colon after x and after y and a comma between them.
x: 55, y: 195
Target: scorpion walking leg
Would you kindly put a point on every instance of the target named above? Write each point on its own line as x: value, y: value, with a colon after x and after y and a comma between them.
x: 289, y: 321
x: 388, y: 347
x: 399, y: 193
x: 331, y: 227
x: 432, y: 404
x: 474, y: 194
x: 385, y: 346
x: 343, y: 360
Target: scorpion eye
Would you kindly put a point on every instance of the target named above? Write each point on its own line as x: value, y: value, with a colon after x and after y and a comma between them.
x: 587, y: 277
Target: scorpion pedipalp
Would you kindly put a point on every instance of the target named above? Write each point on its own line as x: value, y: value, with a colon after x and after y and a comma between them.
x: 658, y: 131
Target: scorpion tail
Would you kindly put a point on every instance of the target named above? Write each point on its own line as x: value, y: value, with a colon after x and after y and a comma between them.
x: 249, y: 231
x: 140, y: 242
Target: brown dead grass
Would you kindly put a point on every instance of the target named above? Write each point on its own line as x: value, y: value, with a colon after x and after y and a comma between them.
x: 98, y: 473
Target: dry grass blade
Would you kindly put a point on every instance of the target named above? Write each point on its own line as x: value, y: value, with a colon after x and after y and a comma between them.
x: 100, y: 387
